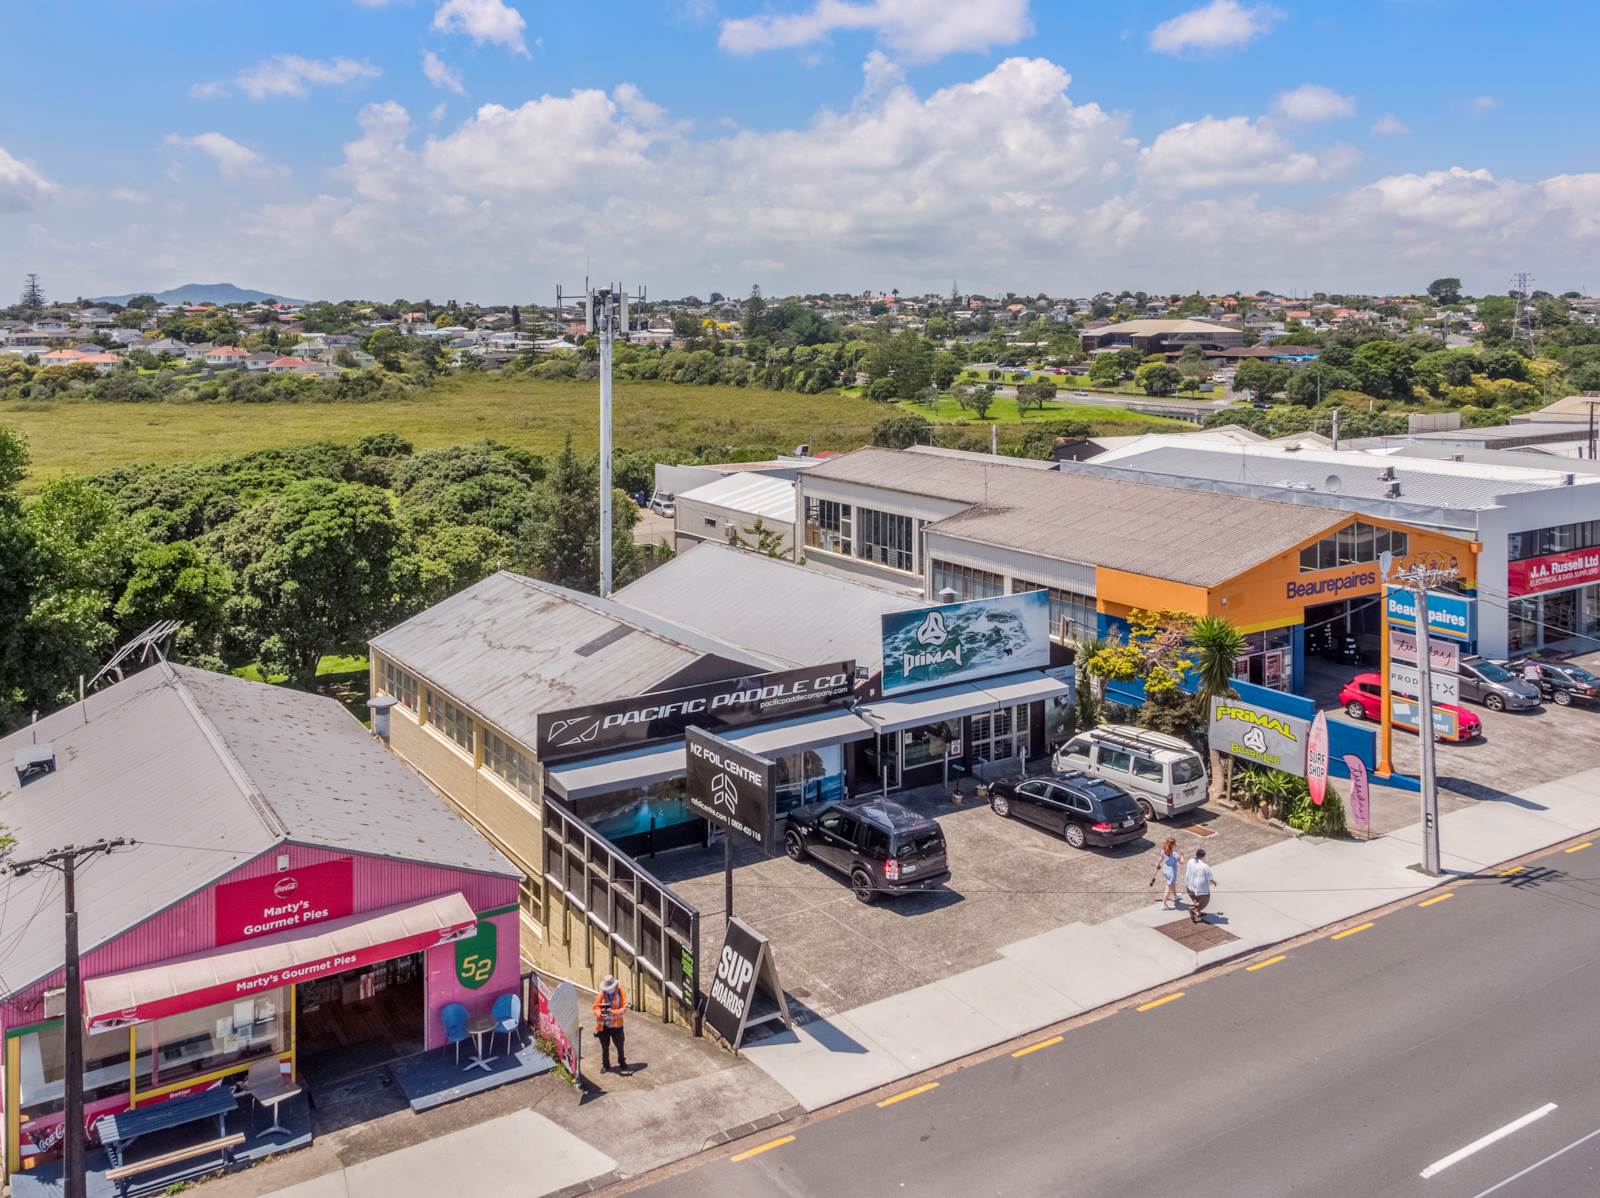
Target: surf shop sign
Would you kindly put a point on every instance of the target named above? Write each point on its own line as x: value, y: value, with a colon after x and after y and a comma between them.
x: 955, y: 642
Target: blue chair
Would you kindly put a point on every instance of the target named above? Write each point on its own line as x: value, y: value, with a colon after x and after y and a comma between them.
x: 507, y: 1016
x: 454, y: 1017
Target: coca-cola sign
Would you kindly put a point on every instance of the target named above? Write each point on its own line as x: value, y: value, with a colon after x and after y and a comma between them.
x: 1553, y: 572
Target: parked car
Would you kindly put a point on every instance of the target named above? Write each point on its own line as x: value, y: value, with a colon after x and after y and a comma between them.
x: 1081, y: 393
x: 882, y: 847
x: 1086, y: 810
x: 1362, y: 699
x: 663, y: 505
x: 1562, y: 682
x: 1497, y: 688
x: 1164, y: 775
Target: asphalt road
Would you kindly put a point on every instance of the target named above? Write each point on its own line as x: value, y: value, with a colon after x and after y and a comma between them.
x: 1350, y: 1066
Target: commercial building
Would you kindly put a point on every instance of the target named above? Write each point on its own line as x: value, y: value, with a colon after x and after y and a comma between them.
x: 1162, y: 336
x: 746, y: 508
x: 1532, y: 522
x: 293, y: 893
x: 967, y: 526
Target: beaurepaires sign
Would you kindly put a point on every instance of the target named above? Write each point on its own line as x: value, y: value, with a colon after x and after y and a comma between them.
x: 1259, y: 734
x: 663, y: 715
x: 951, y: 642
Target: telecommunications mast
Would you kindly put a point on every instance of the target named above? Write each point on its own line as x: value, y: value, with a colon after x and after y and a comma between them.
x: 605, y: 312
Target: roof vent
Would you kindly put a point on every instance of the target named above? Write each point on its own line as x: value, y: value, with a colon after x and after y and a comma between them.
x: 34, y: 761
x: 1568, y: 479
x: 1458, y: 457
x: 1386, y: 474
x: 1392, y: 491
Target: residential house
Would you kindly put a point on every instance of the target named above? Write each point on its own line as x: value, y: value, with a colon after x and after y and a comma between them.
x: 287, y: 365
x: 260, y: 360
x: 226, y: 356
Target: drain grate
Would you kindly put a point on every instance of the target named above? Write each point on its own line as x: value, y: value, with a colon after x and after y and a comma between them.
x: 1201, y: 830
x: 1196, y: 936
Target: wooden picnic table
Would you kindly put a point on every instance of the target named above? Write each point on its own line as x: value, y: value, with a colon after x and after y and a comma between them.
x: 118, y: 1132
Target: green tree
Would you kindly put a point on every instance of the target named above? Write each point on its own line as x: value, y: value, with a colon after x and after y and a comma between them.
x: 177, y: 581
x: 759, y: 538
x: 1385, y: 368
x: 32, y: 294
x: 1128, y: 361
x: 17, y: 572
x: 1262, y: 379
x: 906, y: 360
x: 1037, y: 394
x: 318, y: 569
x: 946, y: 367
x: 1158, y: 378
x: 1218, y: 645
x: 560, y: 540
x: 1105, y: 370
x: 977, y: 400
x: 1311, y: 384
x: 1445, y: 291
x: 901, y: 431
x: 1192, y: 366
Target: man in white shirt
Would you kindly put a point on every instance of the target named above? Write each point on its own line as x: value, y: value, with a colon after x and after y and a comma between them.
x: 1198, y: 882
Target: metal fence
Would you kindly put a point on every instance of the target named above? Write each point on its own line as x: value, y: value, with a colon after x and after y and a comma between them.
x: 642, y: 921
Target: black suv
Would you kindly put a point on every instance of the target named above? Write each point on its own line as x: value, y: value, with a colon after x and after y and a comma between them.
x: 1086, y: 810
x: 1562, y: 682
x: 882, y: 847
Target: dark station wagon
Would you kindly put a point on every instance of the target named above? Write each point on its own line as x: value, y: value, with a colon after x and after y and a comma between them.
x: 882, y: 847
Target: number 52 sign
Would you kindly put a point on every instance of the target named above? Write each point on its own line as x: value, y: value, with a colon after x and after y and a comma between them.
x: 475, y: 956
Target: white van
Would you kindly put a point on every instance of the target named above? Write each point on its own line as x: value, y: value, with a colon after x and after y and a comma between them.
x: 1164, y: 774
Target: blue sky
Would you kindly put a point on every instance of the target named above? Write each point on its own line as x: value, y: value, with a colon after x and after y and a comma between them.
x: 487, y: 149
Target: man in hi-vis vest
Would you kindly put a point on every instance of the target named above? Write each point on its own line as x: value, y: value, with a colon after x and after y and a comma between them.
x: 609, y: 1006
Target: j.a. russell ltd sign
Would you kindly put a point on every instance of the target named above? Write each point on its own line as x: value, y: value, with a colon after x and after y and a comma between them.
x: 714, y: 706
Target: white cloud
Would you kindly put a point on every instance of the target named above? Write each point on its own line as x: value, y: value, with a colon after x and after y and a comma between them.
x: 209, y: 90
x: 21, y: 187
x: 1389, y: 125
x: 127, y: 195
x: 1311, y: 102
x: 922, y: 30
x: 633, y: 104
x: 438, y: 111
x: 491, y: 21
x: 440, y: 74
x: 1220, y: 25
x: 1485, y: 104
x: 233, y: 160
x: 292, y: 75
x: 1219, y: 152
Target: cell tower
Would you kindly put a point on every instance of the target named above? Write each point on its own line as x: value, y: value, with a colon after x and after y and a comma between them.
x: 1519, y: 288
x: 605, y: 312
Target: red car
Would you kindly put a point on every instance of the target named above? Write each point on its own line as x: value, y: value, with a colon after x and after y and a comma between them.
x: 1362, y: 699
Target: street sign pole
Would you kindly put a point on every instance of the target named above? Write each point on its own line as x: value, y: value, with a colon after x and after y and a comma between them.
x: 1385, y: 697
x: 727, y: 872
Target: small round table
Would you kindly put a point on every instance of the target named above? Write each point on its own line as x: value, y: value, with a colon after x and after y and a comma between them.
x: 477, y: 1027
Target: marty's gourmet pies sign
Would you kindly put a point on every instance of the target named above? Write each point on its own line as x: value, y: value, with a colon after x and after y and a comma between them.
x: 714, y: 706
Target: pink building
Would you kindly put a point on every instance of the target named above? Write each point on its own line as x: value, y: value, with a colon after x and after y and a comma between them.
x: 293, y: 893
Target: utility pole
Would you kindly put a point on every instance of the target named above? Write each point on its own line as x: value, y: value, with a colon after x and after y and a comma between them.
x: 1519, y: 283
x: 1422, y: 578
x: 66, y: 860
x: 605, y: 314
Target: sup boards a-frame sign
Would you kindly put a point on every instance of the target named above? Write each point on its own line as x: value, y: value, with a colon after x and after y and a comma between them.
x: 745, y: 991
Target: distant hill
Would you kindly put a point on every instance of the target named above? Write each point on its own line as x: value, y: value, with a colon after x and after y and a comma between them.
x: 203, y: 293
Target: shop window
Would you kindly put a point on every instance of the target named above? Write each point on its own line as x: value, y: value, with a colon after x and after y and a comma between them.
x: 1072, y: 616
x: 809, y: 777
x: 508, y: 763
x: 966, y: 582
x: 1540, y: 542
x: 450, y: 720
x: 392, y: 680
x: 42, y: 1068
x: 215, y: 1037
x: 828, y: 525
x: 885, y: 538
x: 1356, y: 544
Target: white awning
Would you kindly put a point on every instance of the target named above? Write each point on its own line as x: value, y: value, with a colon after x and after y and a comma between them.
x: 1024, y: 687
x: 834, y: 727
x: 926, y: 707
x: 601, y: 775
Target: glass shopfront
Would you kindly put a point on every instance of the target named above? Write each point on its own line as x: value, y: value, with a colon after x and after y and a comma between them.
x: 1570, y: 615
x: 1267, y: 659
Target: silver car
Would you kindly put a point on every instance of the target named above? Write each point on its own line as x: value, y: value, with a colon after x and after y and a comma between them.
x: 1497, y: 688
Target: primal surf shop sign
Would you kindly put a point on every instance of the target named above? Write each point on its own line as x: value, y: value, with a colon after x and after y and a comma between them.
x: 714, y: 706
x: 935, y: 646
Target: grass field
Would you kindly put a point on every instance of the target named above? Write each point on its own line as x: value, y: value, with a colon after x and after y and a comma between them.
x: 69, y: 438
x: 1105, y: 420
x: 1080, y: 382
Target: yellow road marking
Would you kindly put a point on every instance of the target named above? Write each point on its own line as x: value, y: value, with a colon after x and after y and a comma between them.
x: 1162, y: 1001
x: 1360, y: 927
x: 912, y: 1093
x: 1264, y: 964
x: 1578, y: 848
x: 1515, y: 869
x: 1438, y: 898
x: 1051, y: 1042
x: 760, y: 1148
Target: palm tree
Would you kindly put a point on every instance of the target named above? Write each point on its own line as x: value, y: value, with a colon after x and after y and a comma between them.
x: 1089, y: 701
x: 1219, y: 644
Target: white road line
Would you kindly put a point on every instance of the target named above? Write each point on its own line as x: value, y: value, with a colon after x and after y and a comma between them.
x: 1500, y: 1185
x: 1478, y: 1145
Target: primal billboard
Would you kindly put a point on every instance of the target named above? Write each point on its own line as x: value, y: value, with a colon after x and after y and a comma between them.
x: 1259, y: 734
x: 954, y: 642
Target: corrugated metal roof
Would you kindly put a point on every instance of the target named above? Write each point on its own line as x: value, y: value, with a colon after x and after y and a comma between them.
x: 964, y: 477
x: 510, y: 646
x: 753, y: 494
x: 1445, y: 484
x: 205, y: 771
x: 781, y: 609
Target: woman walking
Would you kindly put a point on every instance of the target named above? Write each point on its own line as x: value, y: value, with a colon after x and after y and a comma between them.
x: 1168, y: 868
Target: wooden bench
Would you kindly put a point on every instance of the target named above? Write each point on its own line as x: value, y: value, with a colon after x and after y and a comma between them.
x: 122, y: 1174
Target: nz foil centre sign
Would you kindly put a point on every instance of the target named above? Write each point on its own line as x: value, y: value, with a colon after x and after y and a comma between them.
x: 1259, y: 734
x: 975, y: 638
x: 730, y: 786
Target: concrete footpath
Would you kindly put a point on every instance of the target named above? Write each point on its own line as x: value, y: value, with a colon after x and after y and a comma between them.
x: 1261, y: 898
